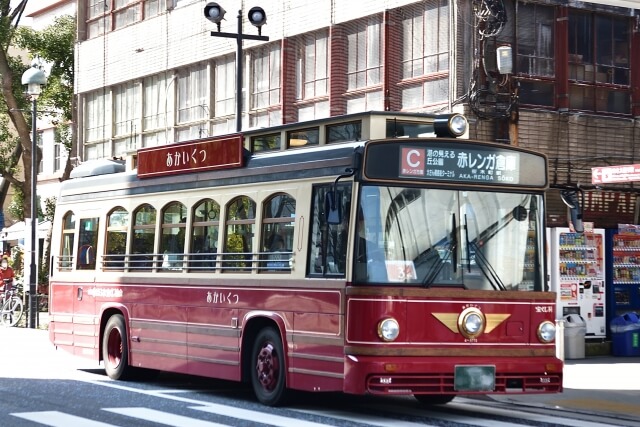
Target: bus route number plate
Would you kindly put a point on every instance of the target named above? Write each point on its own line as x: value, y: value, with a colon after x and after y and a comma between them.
x: 474, y: 378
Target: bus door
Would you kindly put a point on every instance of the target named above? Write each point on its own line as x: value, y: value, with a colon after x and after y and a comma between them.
x: 84, y: 288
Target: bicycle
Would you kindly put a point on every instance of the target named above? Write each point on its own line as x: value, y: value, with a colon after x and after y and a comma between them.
x: 12, y: 307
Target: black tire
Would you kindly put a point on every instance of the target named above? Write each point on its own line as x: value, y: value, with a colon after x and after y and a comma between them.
x: 12, y: 311
x: 434, y: 399
x: 115, y: 349
x: 268, y: 368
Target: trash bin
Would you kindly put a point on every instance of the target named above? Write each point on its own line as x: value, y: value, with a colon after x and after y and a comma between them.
x: 575, y: 329
x: 625, y: 333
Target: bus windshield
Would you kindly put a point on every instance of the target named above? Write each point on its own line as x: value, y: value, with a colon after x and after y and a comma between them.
x: 471, y: 239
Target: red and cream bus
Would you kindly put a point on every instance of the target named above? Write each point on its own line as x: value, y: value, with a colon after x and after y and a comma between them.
x: 374, y: 253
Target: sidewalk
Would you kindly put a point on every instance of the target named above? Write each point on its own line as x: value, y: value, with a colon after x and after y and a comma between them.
x: 593, y: 385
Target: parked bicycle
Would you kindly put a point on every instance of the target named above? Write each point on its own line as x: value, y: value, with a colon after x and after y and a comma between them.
x: 12, y: 306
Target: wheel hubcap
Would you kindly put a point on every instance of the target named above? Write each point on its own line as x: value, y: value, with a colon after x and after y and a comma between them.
x: 267, y: 367
x: 114, y: 348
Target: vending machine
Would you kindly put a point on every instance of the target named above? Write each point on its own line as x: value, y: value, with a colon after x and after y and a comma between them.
x: 577, y: 275
x: 623, y: 267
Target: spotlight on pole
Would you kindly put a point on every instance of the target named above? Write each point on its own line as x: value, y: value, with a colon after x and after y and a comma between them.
x: 214, y: 13
x: 257, y: 17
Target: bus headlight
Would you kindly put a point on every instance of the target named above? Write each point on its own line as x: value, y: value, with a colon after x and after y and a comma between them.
x: 471, y: 322
x: 547, y: 331
x: 388, y: 329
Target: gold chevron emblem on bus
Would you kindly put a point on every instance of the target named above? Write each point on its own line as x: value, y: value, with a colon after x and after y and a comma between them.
x: 450, y: 320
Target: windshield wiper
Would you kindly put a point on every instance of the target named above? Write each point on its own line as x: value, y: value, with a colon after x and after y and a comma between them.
x: 487, y: 269
x: 439, y: 263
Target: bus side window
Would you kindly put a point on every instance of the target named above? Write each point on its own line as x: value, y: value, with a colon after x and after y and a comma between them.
x: 88, y: 239
x: 328, y: 242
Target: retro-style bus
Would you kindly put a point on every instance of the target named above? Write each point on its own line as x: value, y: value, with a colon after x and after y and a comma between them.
x: 375, y: 253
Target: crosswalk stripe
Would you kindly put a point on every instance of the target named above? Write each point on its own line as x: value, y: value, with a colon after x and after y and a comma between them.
x: 363, y: 418
x: 164, y: 418
x: 59, y: 419
x: 249, y: 415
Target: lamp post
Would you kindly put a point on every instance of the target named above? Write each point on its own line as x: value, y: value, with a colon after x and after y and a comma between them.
x: 33, y: 78
x: 257, y: 17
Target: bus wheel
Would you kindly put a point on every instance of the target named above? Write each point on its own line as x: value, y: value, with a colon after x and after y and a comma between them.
x: 115, y: 348
x: 434, y: 399
x: 268, y: 368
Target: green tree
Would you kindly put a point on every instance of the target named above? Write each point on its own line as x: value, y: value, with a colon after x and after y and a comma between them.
x: 54, y: 45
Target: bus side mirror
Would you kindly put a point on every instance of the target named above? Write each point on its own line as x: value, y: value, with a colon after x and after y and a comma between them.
x: 333, y: 213
x: 570, y: 198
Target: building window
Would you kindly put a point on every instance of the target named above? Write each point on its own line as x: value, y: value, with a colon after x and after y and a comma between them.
x: 193, y: 103
x: 101, y: 14
x: 224, y: 106
x: 126, y: 12
x: 95, y: 115
x: 265, y: 87
x: 599, y: 62
x: 155, y: 109
x: 126, y: 98
x: 425, y: 54
x: 535, y: 55
x: 312, y: 67
x: 364, y: 65
x: 57, y: 157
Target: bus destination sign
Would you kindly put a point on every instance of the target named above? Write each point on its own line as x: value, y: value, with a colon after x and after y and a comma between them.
x: 188, y: 157
x: 460, y: 162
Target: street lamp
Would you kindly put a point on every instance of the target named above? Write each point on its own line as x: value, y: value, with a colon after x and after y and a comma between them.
x: 33, y: 78
x: 257, y: 17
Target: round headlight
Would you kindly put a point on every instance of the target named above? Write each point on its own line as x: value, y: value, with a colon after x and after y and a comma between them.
x: 388, y: 329
x: 458, y: 124
x: 547, y: 331
x: 471, y: 322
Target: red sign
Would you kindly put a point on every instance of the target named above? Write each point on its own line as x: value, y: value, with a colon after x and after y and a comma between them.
x: 412, y: 161
x: 611, y: 174
x: 188, y: 157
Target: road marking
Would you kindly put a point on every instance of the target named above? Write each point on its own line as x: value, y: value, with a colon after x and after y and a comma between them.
x: 262, y: 417
x: 363, y: 418
x: 164, y: 418
x: 59, y: 419
x: 475, y: 410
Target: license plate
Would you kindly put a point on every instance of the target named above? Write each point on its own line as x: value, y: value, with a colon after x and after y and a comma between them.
x: 474, y: 378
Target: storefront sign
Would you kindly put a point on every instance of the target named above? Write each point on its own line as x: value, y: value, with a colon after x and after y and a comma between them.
x: 612, y: 174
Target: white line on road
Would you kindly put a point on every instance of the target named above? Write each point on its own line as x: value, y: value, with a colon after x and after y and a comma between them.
x: 164, y: 418
x: 262, y: 417
x: 59, y: 419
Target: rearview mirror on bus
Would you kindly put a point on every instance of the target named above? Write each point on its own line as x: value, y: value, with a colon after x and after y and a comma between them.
x: 570, y: 198
x: 333, y: 212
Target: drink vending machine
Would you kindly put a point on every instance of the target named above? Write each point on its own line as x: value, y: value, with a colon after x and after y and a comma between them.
x: 577, y: 275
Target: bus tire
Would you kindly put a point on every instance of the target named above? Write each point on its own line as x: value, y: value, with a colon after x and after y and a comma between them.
x: 115, y: 348
x: 268, y: 368
x: 434, y: 399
